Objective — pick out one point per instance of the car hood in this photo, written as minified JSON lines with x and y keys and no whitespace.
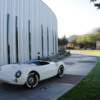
{"x":10,"y":67}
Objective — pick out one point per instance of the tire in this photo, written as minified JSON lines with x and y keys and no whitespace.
{"x":61,"y":71}
{"x":32,"y":80}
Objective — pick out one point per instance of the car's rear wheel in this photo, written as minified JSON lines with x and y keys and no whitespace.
{"x":61,"y":71}
{"x":32,"y":80}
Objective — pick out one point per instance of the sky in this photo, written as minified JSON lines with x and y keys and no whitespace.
{"x":75,"y":17}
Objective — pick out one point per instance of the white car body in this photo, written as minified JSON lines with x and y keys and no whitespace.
{"x":7,"y":72}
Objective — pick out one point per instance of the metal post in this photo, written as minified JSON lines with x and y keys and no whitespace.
{"x":38,"y":55}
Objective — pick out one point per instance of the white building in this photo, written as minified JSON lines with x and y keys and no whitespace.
{"x":26,"y":28}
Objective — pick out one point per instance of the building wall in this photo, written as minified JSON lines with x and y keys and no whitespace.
{"x":26,"y":28}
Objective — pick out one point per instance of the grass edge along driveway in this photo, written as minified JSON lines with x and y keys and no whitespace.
{"x":89,"y":87}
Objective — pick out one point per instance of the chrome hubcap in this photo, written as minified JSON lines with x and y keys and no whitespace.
{"x":31,"y":80}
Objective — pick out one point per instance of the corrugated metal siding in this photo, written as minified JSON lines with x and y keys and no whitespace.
{"x":38,"y":13}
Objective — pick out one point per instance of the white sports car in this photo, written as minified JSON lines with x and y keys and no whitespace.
{"x":30,"y":73}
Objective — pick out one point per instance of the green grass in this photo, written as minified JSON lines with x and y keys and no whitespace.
{"x":89,"y":87}
{"x":92,"y":52}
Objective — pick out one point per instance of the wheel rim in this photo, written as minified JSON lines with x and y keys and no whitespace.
{"x":60,"y":72}
{"x":32,"y":80}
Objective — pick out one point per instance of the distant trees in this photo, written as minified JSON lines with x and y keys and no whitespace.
{"x":86,"y":40}
{"x":82,"y":40}
{"x":63,"y":41}
{"x":62,"y":44}
{"x":59,"y":41}
{"x":97,"y":32}
{"x":74,"y":36}
{"x":90,"y":38}
{"x":96,"y":4}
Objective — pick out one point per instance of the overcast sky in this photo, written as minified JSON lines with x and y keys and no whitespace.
{"x":74,"y":16}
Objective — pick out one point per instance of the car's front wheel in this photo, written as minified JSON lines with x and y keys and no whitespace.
{"x":32,"y":80}
{"x":61,"y":71}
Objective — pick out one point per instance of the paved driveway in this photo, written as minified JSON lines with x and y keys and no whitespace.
{"x":77,"y":67}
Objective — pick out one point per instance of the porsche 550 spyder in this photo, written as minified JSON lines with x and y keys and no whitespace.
{"x":30,"y":72}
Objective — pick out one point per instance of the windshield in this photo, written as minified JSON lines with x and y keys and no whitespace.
{"x":36,"y":62}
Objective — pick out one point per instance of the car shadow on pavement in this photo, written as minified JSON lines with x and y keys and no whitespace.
{"x":7,"y":86}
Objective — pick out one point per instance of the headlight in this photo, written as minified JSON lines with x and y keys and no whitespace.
{"x":18,"y":74}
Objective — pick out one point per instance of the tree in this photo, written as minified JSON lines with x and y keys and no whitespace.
{"x":96,"y":4}
{"x":97,"y":32}
{"x":64,"y":40}
{"x":59,"y":41}
{"x":74,"y":36}
{"x":98,"y":36}
{"x":82,"y":40}
{"x":92,"y":38}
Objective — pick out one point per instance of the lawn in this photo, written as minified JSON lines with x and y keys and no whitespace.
{"x":89,"y":87}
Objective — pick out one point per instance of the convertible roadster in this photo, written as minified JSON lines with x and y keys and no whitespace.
{"x":30,"y":72}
